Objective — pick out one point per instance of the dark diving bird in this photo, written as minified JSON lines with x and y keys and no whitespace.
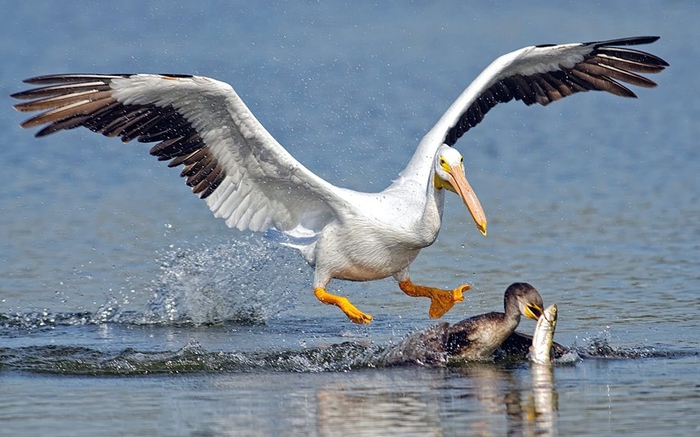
{"x":474,"y":339}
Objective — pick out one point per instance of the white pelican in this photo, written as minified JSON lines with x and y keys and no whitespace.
{"x":248,"y":179}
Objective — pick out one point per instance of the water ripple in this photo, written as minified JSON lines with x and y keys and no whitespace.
{"x":193,"y":358}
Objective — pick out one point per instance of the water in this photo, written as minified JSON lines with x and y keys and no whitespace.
{"x":126,"y":309}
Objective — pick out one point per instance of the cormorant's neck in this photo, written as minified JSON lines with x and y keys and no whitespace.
{"x":512,"y":320}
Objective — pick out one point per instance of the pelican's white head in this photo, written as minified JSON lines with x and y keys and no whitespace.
{"x":449,"y":174}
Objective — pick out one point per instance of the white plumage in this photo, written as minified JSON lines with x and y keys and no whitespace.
{"x":248,"y":179}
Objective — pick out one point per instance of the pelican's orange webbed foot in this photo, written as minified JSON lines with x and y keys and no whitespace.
{"x":344,"y":304}
{"x":440,"y":300}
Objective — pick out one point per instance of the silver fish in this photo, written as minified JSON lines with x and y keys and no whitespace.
{"x":543,"y":337}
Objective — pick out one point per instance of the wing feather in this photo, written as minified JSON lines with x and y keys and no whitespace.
{"x":543,"y":74}
{"x":230,"y":160}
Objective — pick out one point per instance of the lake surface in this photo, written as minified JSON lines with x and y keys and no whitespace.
{"x":127,"y":309}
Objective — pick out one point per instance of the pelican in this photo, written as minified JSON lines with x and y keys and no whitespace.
{"x":248,"y":179}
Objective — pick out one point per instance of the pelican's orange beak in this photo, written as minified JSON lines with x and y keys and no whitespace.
{"x":459,"y":182}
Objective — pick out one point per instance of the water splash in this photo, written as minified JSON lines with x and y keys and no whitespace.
{"x":571,"y":357}
{"x":43,"y":319}
{"x":246,"y":280}
{"x":600,"y":347}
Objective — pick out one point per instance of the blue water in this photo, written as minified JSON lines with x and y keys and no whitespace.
{"x":127,"y":309}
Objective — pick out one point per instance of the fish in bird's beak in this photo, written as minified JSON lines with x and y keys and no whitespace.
{"x":543,"y":337}
{"x":461,"y":186}
{"x":533,"y":311}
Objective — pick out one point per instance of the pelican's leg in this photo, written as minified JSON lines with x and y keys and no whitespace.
{"x":440,"y":300}
{"x":344,"y":304}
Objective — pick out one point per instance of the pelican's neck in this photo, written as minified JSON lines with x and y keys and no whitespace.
{"x":420,"y":167}
{"x":418,"y":178}
{"x":431,"y":219}
{"x":435,"y":197}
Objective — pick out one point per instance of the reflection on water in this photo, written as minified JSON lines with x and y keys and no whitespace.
{"x":484,"y":400}
{"x":360,"y":408}
{"x":402,"y":402}
{"x":528,"y":408}
{"x":544,"y":400}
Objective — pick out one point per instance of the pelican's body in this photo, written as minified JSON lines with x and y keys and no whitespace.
{"x":247,"y":178}
{"x":395,"y":224}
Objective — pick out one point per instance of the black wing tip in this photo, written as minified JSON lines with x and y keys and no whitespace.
{"x":71,"y":77}
{"x":621,"y":42}
{"x":49,"y":80}
{"x":53,"y":79}
{"x":43,"y":132}
{"x":177,"y":75}
{"x":627,"y":41}
{"x":617,"y":44}
{"x":18,"y":95}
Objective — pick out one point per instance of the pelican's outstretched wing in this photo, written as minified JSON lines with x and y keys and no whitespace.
{"x":230,"y":160}
{"x":545,"y":73}
{"x":540,"y":74}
